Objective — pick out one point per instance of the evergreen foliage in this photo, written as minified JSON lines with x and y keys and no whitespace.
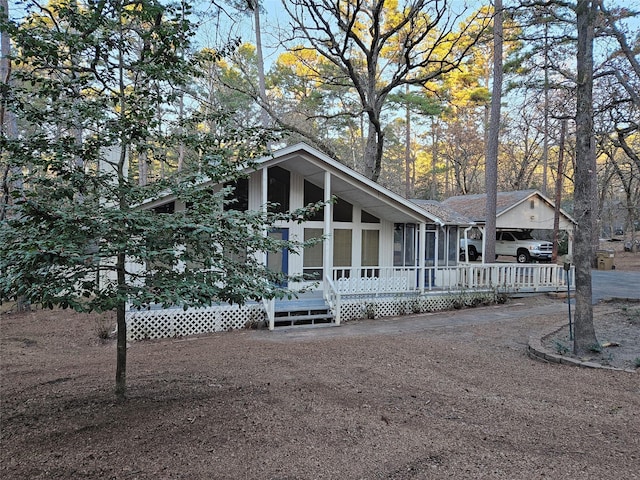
{"x":79,"y":231}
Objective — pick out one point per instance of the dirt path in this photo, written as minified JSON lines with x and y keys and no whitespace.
{"x":459,"y":401}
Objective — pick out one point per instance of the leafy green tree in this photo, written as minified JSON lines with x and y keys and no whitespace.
{"x":78,"y":237}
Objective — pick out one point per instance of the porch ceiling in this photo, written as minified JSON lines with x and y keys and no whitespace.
{"x":355,"y":191}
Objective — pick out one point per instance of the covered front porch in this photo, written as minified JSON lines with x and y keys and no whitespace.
{"x":361,"y":292}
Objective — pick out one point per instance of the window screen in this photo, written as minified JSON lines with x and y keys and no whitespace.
{"x":312,"y":260}
{"x":278,"y":189}
{"x":314,"y":194}
{"x":342,"y":247}
{"x":370,"y":248}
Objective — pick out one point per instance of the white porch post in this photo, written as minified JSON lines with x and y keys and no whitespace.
{"x":265,"y":186}
{"x":327,"y":251}
{"x":421,"y":253}
{"x":436,"y":253}
{"x":484,"y":246}
{"x":269,"y":304}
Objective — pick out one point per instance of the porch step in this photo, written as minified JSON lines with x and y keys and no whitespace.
{"x":313,"y":311}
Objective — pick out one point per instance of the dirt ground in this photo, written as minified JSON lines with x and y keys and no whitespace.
{"x":462,"y":401}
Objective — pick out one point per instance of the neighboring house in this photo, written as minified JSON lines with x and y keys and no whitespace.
{"x":382,"y":255}
{"x":517,"y":210}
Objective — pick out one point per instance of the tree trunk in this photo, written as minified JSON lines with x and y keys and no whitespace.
{"x":545,"y":147}
{"x":143,"y":169}
{"x":491,"y":162}
{"x":434,"y":161}
{"x":121,"y":349}
{"x":407,"y":150}
{"x":262,"y":89}
{"x":373,"y":153}
{"x":585,"y":336}
{"x":558,"y":199}
{"x":11,"y":175}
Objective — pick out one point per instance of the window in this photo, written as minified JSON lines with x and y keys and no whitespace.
{"x":239,"y":198}
{"x":342,"y":247}
{"x":430,"y":249}
{"x":278,"y":190}
{"x":312,"y":256}
{"x":452,"y":246}
{"x":370,"y":248}
{"x":366,"y":217}
{"x":404,"y":244}
{"x":235,"y":253}
{"x":314,"y":194}
{"x":342,"y":211}
{"x":447,"y":246}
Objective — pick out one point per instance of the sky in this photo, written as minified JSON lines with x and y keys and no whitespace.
{"x":215,"y":29}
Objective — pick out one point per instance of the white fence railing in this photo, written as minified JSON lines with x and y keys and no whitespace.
{"x":332,"y":297}
{"x":505,"y":277}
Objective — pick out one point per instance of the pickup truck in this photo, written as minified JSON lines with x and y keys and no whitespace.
{"x":511,"y":243}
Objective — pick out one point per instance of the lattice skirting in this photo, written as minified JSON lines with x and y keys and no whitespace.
{"x":355,"y":308}
{"x":176,"y":322}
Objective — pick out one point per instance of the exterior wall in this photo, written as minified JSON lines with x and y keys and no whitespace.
{"x":296,"y":230}
{"x":536,"y":218}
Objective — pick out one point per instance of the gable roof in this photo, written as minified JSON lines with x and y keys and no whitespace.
{"x":350,"y":185}
{"x":346,"y":183}
{"x":475,"y":206}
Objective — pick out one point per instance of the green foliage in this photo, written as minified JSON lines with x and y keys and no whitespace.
{"x":79,"y":211}
{"x":370,"y":311}
{"x":563,"y":244}
{"x":79,"y":232}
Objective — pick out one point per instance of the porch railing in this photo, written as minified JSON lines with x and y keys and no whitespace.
{"x":269,"y":306}
{"x":332,"y":297}
{"x":505,"y":277}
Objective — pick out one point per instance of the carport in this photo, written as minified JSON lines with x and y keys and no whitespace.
{"x":517,"y":210}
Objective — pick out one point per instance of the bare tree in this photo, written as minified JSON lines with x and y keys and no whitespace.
{"x":355,"y":37}
{"x":491,"y":162}
{"x":585,"y":178}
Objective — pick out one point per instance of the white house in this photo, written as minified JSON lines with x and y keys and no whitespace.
{"x":383,"y":254}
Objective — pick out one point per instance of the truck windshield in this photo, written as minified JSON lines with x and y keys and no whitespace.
{"x":522,"y":235}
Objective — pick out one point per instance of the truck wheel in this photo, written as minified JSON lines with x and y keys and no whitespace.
{"x":473,"y":255}
{"x":523,"y":256}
